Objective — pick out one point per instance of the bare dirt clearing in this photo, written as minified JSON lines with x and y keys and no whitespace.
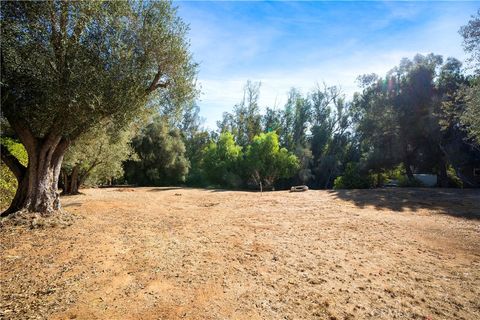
{"x":170,"y":253}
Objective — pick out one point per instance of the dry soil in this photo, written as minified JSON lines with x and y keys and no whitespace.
{"x":175,"y":253}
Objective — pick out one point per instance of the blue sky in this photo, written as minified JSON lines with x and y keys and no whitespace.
{"x":299,"y":44}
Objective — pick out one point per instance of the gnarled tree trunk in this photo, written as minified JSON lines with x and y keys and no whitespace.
{"x":38,"y":182}
{"x":71,"y":182}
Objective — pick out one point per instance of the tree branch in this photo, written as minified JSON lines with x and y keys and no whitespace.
{"x":12,"y":163}
{"x":156,"y":84}
{"x":24,"y":134}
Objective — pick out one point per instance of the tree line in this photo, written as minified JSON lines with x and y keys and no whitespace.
{"x":104,"y":92}
{"x":414,"y":119}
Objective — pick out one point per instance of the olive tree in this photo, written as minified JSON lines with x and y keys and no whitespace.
{"x":160,"y":155}
{"x":67,"y":66}
{"x":96,"y":156}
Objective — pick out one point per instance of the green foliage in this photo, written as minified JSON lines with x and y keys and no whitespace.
{"x":399,"y":174}
{"x":454,"y":180}
{"x":353,"y":178}
{"x":272,"y":121}
{"x":331,"y":142}
{"x":266,"y":162}
{"x":196,"y":140}
{"x":305,"y":159}
{"x":245,"y":121}
{"x":378,"y":180}
{"x":98,"y":155}
{"x":68,"y":65}
{"x":161,"y":156}
{"x":8,"y":182}
{"x":471,"y":39}
{"x":470,"y":117}
{"x":411,"y":117}
{"x":221,"y":161}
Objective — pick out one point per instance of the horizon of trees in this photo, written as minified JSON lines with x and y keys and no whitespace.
{"x":136,"y":120}
{"x":406,"y":122}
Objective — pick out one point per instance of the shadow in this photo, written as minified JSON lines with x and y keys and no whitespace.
{"x":463,"y":203}
{"x":73,"y":204}
{"x":165,"y":189}
{"x":239,"y":190}
{"x":117,"y":186}
{"x":71,"y":195}
{"x":222,"y":190}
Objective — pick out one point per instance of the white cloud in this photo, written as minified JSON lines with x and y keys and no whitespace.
{"x":232,"y":51}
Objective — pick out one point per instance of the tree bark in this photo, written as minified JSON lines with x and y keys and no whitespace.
{"x":462,"y":177}
{"x":408,"y":171}
{"x":77,"y":178}
{"x":442,"y":173}
{"x":38,"y":182}
{"x":71,"y":182}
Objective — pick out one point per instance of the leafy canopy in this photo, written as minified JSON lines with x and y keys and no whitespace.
{"x":161,"y":156}
{"x":221,"y":161}
{"x":266,"y":161}
{"x":67,"y":65}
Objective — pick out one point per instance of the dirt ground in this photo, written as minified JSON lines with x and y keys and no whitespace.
{"x":174,"y":253}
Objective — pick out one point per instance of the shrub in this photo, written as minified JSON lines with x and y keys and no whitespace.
{"x":453,"y":180}
{"x":400,"y":175}
{"x":353,"y":178}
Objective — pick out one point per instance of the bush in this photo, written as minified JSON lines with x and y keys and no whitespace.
{"x":352,"y":178}
{"x":378,"y":179}
{"x":453,"y":180}
{"x":8,"y":182}
{"x":399,"y":174}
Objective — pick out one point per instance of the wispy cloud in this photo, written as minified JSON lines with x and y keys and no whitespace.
{"x":297,"y":44}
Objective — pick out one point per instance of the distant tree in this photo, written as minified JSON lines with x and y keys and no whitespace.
{"x":396,"y":116}
{"x":251,"y":96}
{"x":97,"y":156}
{"x":330,"y":141}
{"x":245,"y":121}
{"x":272,"y":121}
{"x":196,"y":140}
{"x":160,"y":156}
{"x":288,"y":121}
{"x":376,"y":123}
{"x":471,"y":39}
{"x":352,"y":178}
{"x":409,"y":117}
{"x":470,"y":117}
{"x":302,"y":119}
{"x":266,"y":162}
{"x":297,"y":113}
{"x":68,"y":65}
{"x":221,"y":161}
{"x":305,"y":162}
{"x":194,"y":153}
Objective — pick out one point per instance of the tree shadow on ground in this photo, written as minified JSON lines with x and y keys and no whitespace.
{"x":165,"y":189}
{"x":71,"y":194}
{"x":463,"y":203}
{"x":73,"y":204}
